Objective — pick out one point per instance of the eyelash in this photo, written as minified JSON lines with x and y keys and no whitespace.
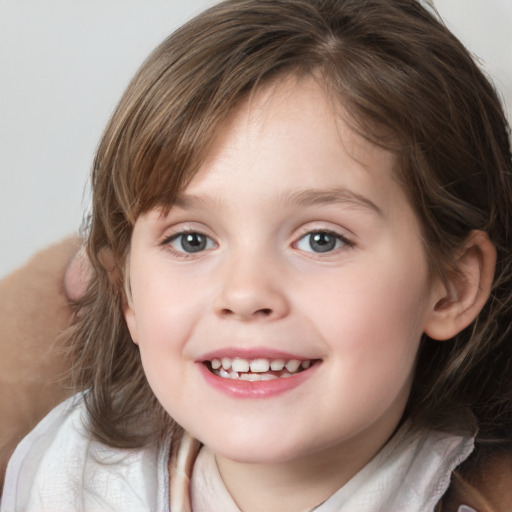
{"x":338,"y":238}
{"x":167,"y":242}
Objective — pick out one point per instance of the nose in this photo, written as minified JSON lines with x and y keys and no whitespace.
{"x":251,"y":291}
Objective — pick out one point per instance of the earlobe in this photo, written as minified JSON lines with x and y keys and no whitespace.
{"x":458,"y":300}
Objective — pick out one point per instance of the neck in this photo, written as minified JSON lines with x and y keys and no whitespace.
{"x":300,"y":484}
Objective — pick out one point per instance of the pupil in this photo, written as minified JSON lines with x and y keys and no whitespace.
{"x":322,"y":242}
{"x":193,"y":242}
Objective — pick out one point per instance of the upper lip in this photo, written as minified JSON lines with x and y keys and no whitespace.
{"x":250,"y":353}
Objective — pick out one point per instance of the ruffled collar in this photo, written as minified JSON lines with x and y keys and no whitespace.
{"x":410,"y":474}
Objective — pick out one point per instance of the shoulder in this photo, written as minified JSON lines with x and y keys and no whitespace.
{"x":59,"y":467}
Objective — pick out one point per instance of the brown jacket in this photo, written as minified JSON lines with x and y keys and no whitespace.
{"x":34,"y":310}
{"x":487,"y":486}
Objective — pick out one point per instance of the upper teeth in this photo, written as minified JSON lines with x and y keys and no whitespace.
{"x":259,"y":365}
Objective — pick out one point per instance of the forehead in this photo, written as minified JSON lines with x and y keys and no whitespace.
{"x":291,"y":134}
{"x":278,"y":109}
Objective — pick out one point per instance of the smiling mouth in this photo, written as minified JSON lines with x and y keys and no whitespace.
{"x":258,"y":369}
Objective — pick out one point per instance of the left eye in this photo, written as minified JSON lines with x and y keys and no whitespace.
{"x":191,"y":242}
{"x":320,"y":241}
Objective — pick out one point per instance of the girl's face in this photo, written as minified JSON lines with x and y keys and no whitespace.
{"x":294,"y":245}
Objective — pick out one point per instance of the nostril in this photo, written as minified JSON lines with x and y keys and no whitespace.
{"x":263,"y":312}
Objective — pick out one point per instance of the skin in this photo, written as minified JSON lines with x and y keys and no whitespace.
{"x":283,"y":167}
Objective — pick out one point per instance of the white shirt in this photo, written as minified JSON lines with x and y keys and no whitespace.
{"x":58,"y":467}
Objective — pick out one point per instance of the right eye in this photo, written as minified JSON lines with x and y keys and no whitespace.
{"x":190,"y":242}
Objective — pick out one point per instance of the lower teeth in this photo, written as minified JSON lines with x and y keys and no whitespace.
{"x":252,"y":377}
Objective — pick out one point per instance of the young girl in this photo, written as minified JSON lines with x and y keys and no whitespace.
{"x":301,"y":277}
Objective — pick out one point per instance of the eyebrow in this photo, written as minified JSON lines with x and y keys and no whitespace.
{"x":189,"y":202}
{"x":335,"y":195}
{"x":296,"y":198}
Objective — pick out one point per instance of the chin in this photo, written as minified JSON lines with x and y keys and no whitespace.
{"x":265,"y":449}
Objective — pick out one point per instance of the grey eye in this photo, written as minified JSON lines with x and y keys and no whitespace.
{"x":320,"y":241}
{"x":191,"y":242}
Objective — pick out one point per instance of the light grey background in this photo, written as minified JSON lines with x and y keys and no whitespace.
{"x":64,"y":65}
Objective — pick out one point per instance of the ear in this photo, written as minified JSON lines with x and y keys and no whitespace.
{"x":128,"y":307}
{"x":130,"y":316}
{"x":77,"y":276}
{"x":131,"y":320}
{"x":458,"y":299}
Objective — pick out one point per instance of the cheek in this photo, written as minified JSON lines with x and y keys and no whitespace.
{"x":165,"y":318}
{"x":370,"y":318}
{"x":166,"y":308}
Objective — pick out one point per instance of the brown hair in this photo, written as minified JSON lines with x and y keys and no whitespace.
{"x":407,"y":84}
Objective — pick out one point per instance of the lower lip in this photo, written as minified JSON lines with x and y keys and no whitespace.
{"x":258,"y":389}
